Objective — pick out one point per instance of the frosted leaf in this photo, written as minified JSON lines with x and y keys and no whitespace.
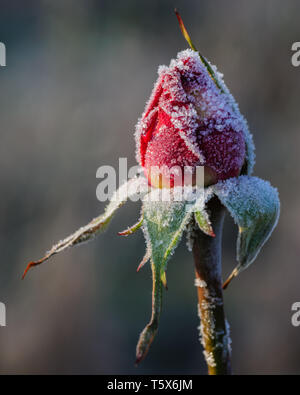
{"x":166,"y":219}
{"x":254,"y":205}
{"x":98,"y":224}
{"x":163,"y":225}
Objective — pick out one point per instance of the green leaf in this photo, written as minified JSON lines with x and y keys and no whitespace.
{"x":164,"y":223}
{"x":129,"y":189}
{"x":254,"y":205}
{"x":166,"y":215}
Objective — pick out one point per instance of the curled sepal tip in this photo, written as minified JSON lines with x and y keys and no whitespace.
{"x":148,"y":334}
{"x":203,"y":222}
{"x":132,"y":229}
{"x":254,"y":205}
{"x":145,"y":259}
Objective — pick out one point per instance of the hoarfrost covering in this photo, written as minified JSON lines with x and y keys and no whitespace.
{"x":254,"y":205}
{"x":204,"y":118}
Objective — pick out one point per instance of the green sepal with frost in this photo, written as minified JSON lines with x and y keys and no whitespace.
{"x":135,"y":186}
{"x":254,"y":205}
{"x":166,"y":214}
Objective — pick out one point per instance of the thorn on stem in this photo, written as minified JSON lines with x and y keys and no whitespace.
{"x":30,"y":265}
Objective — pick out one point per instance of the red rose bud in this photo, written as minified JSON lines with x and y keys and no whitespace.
{"x":190,"y":121}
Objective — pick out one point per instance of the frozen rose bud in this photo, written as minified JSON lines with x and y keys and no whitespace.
{"x":190,"y":121}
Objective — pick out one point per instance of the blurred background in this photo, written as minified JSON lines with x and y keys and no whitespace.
{"x":77,"y":78}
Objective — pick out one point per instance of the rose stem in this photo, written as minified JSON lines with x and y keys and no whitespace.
{"x":214,"y":328}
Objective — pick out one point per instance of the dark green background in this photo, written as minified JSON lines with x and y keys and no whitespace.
{"x":77,"y":77}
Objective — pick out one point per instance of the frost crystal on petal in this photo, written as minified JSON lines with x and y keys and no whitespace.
{"x":191,"y":121}
{"x":250,"y":148}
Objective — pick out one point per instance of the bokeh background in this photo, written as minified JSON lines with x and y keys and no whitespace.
{"x":78,"y":74}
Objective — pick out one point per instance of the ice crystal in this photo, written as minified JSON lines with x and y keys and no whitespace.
{"x":200,"y":283}
{"x":190,"y":121}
